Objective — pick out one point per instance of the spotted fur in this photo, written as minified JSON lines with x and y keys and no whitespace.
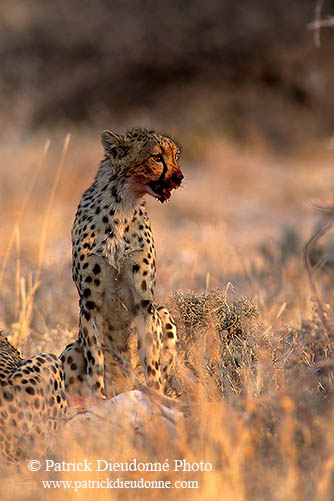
{"x":32,"y":401}
{"x":114,"y":266}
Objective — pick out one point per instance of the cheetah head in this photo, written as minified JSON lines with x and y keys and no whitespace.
{"x":147,"y":160}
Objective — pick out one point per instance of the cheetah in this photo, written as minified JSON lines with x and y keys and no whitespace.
{"x":114,"y":268}
{"x":33,"y":402}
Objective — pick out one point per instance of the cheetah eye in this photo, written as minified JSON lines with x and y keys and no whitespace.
{"x":157,"y":158}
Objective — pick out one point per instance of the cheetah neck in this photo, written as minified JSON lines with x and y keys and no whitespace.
{"x":113,"y":186}
{"x":112,"y":210}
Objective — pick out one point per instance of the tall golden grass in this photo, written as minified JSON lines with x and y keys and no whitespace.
{"x":258,"y":406}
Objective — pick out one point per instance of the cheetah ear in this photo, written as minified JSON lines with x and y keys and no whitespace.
{"x":114,"y":144}
{"x":110,"y":142}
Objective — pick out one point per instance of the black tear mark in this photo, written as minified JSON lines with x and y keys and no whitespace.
{"x":164,"y":170}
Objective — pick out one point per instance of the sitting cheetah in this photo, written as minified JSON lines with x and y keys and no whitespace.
{"x":114,"y":265}
{"x":32,"y":401}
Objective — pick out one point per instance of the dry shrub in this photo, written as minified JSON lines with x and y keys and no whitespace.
{"x":214,"y":341}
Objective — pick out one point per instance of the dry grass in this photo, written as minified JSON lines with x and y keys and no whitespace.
{"x":254,"y":377}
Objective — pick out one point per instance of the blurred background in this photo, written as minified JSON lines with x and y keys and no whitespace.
{"x":244,"y":87}
{"x":245,"y":70}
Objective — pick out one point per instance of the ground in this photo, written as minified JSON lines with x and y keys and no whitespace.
{"x":257,"y":401}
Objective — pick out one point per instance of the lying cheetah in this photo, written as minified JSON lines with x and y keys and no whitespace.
{"x":114,"y":265}
{"x":32,"y":401}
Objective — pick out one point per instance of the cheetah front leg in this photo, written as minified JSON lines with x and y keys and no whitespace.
{"x":149,"y":331}
{"x":74,"y":369}
{"x":91,"y":340}
{"x":169,"y":339}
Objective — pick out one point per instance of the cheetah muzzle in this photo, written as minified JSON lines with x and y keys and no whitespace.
{"x":162,"y":189}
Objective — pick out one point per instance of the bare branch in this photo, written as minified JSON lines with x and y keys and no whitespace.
{"x":319,"y":23}
{"x":322,"y":23}
{"x":307,"y":248}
